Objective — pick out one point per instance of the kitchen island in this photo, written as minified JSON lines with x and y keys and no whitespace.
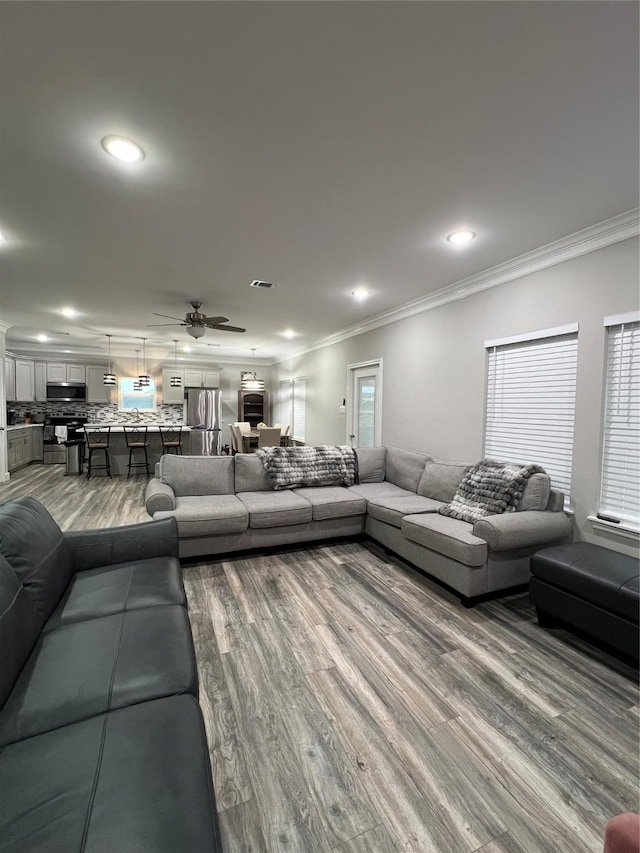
{"x":195,"y":442}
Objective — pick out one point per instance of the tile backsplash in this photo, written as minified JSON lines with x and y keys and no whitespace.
{"x":166,"y":413}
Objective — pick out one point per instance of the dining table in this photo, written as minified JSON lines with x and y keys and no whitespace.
{"x":250,"y":441}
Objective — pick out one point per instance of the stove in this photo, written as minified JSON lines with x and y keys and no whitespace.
{"x":53,"y":449}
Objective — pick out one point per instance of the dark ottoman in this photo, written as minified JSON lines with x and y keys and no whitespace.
{"x":591,"y":588}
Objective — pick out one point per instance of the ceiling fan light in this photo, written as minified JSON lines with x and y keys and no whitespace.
{"x":109,"y":379}
{"x":195,"y":331}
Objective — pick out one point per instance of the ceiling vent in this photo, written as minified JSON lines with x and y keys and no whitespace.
{"x":257,"y":283}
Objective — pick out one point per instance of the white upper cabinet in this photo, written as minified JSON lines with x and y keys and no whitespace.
{"x":201,"y":378}
{"x":25,"y":382}
{"x":66,"y":373}
{"x":10,"y":378}
{"x":41,"y":381}
{"x":169,"y":394}
{"x":97,"y":391}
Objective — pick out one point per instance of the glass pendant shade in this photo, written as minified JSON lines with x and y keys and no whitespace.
{"x":109,"y":378}
{"x":176,"y":379}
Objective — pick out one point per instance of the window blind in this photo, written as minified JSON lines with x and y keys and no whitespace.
{"x":284,"y":403}
{"x":531,"y":391}
{"x":620,"y":482}
{"x":299,"y":408}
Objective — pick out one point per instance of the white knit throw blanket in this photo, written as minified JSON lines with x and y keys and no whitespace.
{"x":490,"y":488}
{"x":293,"y":467}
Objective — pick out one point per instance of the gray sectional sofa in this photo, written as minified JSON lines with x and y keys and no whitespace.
{"x":224,"y":504}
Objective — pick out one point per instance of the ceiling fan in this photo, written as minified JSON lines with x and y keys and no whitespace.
{"x":197,"y":323}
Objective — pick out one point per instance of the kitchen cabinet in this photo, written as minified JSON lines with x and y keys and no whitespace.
{"x":37,"y":453}
{"x":201,"y":378}
{"x":19,"y":448}
{"x":169,"y":394}
{"x":97,"y":391}
{"x":25,"y":385}
{"x":40,"y":374}
{"x":10,"y":378}
{"x":58,"y":372}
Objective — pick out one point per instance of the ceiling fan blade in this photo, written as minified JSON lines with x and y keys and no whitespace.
{"x":165,"y":324}
{"x":169,"y":316}
{"x":222,"y":328}
{"x":214,"y":320}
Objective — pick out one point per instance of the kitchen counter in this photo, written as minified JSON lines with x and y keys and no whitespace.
{"x":23,"y":426}
{"x":150,"y":427}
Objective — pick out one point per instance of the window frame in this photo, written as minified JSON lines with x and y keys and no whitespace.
{"x":149,"y":393}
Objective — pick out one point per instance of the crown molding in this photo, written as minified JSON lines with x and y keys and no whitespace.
{"x":607,"y":233}
{"x":4,"y":327}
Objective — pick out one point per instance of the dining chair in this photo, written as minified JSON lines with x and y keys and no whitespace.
{"x":244,"y":427}
{"x":236,"y":439}
{"x":97,"y":438}
{"x":268,"y":437}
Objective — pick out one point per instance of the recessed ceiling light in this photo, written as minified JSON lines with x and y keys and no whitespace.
{"x":68,"y":312}
{"x":42,"y":338}
{"x":288,"y":333}
{"x":461,"y":237}
{"x":123,"y":149}
{"x":2,"y":237}
{"x":360,"y":294}
{"x":186,"y":348}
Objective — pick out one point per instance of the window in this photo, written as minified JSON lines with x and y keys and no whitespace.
{"x":143,"y":399}
{"x":299,"y":410}
{"x":292,"y":407}
{"x":531,"y":391}
{"x":620,"y":483}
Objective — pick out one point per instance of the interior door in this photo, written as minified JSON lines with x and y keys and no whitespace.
{"x":364,"y":421}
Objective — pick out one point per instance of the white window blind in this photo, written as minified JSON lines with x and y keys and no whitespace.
{"x":620,"y":483}
{"x":284,"y":403}
{"x":531,"y":391}
{"x":299,"y":409}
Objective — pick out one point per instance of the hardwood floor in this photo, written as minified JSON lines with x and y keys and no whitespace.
{"x":353,"y":707}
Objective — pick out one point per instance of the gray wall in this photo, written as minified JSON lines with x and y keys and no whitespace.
{"x":435,"y":363}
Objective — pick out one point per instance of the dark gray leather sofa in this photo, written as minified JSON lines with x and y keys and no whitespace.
{"x":102,"y":744}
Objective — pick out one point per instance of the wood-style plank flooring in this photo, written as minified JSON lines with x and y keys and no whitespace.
{"x":352,"y":706}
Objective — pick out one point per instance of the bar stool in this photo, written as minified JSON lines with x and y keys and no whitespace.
{"x":136,"y":438}
{"x":171,"y":438}
{"x":97,"y":438}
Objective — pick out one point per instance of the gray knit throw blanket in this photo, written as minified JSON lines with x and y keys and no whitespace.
{"x":293,"y":467}
{"x":490,"y":488}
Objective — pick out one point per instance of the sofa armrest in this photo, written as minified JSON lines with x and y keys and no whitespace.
{"x":515,"y":530}
{"x":159,"y":497}
{"x":109,"y":545}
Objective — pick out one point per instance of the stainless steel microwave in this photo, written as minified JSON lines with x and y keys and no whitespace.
{"x":66,"y":392}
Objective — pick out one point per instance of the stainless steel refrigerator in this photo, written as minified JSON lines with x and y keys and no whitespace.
{"x":204,"y":412}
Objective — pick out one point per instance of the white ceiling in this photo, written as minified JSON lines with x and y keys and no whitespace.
{"x":320,"y":146}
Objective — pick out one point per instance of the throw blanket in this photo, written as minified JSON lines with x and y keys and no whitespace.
{"x":292,"y":467}
{"x":489,"y":488}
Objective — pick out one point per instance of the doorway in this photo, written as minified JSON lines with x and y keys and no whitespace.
{"x":364,"y":404}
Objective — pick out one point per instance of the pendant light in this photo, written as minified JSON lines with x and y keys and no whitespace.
{"x":143,"y":378}
{"x":109,"y":378}
{"x":176,"y":379}
{"x":249,"y":378}
{"x":136,"y":382}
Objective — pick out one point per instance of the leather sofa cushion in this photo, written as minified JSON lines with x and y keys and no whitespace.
{"x":404,"y":468}
{"x":19,"y":627}
{"x":91,"y":667}
{"x":197,"y":475}
{"x":275,"y":509}
{"x":332,"y":502}
{"x":393,"y":510}
{"x":440,"y":480}
{"x":250,"y":473}
{"x":135,"y":779}
{"x":35,"y":548}
{"x":371,"y":461}
{"x":379,"y":491}
{"x":125,"y":586}
{"x":447,"y":536}
{"x":596,"y":574}
{"x":212,"y":515}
